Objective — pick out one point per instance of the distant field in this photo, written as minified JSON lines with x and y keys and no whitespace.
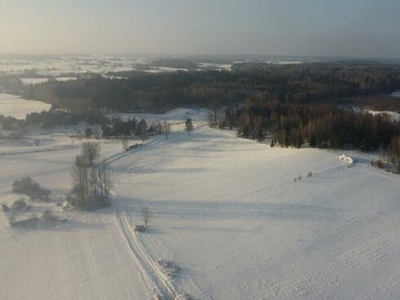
{"x":17,"y":107}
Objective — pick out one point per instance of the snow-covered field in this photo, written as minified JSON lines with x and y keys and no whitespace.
{"x":232,"y":219}
{"x":56,"y":66}
{"x":17,"y":107}
{"x":59,"y":66}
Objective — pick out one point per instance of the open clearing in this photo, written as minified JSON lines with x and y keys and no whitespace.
{"x":18,"y":108}
{"x":230,"y":222}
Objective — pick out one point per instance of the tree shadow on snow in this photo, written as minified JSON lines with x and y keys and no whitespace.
{"x":212,"y":210}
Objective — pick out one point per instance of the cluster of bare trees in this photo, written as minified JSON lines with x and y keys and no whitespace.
{"x":91,"y":179}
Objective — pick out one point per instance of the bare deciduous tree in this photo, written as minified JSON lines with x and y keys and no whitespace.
{"x":147,"y":215}
{"x":167,"y":129}
{"x":97,"y":132}
{"x":91,"y":179}
{"x":142,"y":130}
{"x":79,"y":135}
{"x":91,"y":153}
{"x":124,"y":143}
{"x":214,"y":107}
{"x":189,"y":126}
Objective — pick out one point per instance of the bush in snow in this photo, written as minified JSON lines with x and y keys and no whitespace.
{"x":12,"y":219}
{"x":139,"y":228}
{"x":298,"y":178}
{"x":4,"y":207}
{"x":49,"y":217}
{"x":31,"y":222}
{"x":168,"y":268}
{"x":16,"y":136}
{"x":27,"y":186}
{"x":19,"y":204}
{"x":184,"y":296}
{"x":378,"y":164}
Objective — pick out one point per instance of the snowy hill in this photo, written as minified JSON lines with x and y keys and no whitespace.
{"x":232,"y":219}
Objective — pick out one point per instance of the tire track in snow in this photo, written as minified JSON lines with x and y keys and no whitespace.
{"x":173,"y":292}
{"x":148,"y":271}
{"x":157,"y":282}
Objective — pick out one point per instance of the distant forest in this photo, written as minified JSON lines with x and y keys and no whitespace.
{"x":303,"y":83}
{"x":294,"y":104}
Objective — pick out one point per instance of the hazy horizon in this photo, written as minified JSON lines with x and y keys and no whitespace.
{"x":358,"y":28}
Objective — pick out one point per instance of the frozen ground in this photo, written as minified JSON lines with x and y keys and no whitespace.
{"x":17,"y":107}
{"x":230,"y":222}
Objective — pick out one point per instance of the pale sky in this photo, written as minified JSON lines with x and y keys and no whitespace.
{"x":359,"y":28}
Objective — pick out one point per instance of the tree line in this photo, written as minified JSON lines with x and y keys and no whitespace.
{"x":317,"y":125}
{"x":295,"y":104}
{"x":305,"y":83}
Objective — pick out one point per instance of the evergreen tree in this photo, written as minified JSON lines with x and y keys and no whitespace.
{"x":272,"y":143}
{"x":142,"y":129}
{"x":88,"y":133}
{"x":167,"y":129}
{"x":189,"y":126}
{"x":313,"y":141}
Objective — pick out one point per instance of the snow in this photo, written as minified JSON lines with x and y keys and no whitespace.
{"x":229,"y":222}
{"x":165,"y":69}
{"x":284,"y":62}
{"x":28,"y":81}
{"x":346,"y":158}
{"x":65,"y":78}
{"x":17,"y":107}
{"x":226,"y":67}
{"x":58,"y":66}
{"x":395,"y":116}
{"x":101,"y":64}
{"x":396,"y":94}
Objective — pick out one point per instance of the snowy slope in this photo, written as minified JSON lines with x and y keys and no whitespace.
{"x":227,"y":211}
